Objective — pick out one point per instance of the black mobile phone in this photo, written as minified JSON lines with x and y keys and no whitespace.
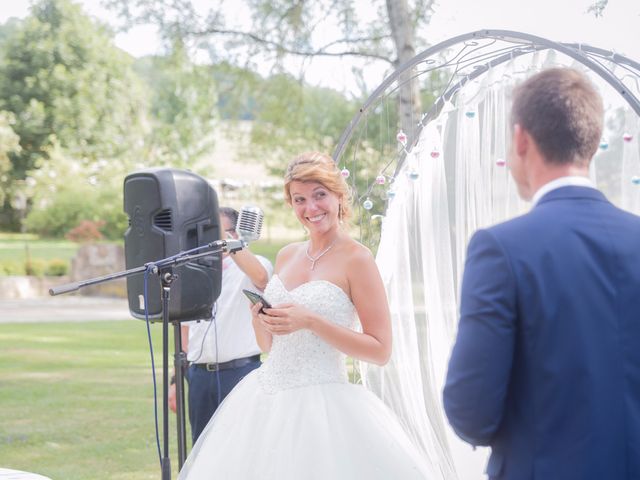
{"x":255,"y":298}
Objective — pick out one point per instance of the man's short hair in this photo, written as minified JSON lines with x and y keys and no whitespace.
{"x":231,"y":213}
{"x":563,"y":112}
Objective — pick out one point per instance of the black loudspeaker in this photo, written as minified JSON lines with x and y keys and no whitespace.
{"x":171,"y":211}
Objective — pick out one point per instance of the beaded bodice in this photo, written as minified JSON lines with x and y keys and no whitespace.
{"x":302,"y":358}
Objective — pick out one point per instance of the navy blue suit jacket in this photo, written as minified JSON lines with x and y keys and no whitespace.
{"x":546,"y":364}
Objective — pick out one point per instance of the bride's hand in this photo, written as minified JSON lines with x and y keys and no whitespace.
{"x":286,"y":318}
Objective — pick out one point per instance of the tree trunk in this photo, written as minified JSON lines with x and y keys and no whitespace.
{"x":402,"y":31}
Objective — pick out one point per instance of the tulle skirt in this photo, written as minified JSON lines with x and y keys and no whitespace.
{"x":326,"y":431}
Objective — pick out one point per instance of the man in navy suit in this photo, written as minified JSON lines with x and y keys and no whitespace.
{"x":546,"y":365}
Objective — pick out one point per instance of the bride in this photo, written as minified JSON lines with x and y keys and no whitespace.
{"x":297,"y":416}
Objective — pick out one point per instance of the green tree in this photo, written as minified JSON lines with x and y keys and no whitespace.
{"x":277,"y":31}
{"x":64,"y":81}
{"x":9,"y":143}
{"x":64,"y":194}
{"x":183,"y":108}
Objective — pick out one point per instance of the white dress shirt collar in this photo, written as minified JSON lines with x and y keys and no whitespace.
{"x":575,"y":181}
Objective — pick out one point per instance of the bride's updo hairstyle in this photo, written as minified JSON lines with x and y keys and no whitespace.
{"x":321,"y":168}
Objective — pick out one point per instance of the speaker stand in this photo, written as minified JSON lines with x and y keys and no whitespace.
{"x":167,"y":277}
{"x":179,"y":365}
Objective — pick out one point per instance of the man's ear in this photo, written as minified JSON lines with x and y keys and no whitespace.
{"x":521,"y":141}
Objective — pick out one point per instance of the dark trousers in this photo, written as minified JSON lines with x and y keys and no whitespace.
{"x":203,"y":392}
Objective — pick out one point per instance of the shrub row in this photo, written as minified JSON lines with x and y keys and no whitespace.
{"x":37,"y":267}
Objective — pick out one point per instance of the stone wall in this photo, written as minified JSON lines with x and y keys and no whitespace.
{"x":91,"y":261}
{"x":28,"y":287}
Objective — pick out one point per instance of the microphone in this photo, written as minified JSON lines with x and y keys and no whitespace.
{"x":249,"y":223}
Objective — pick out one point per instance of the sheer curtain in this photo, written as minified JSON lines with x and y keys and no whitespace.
{"x":463,"y":184}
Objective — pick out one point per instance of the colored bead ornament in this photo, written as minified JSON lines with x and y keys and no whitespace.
{"x":413,"y":175}
{"x":380,"y":179}
{"x":635,"y":180}
{"x":391,"y":194}
{"x":435,"y":154}
{"x":501,"y":162}
{"x":345,"y":173}
{"x":627,"y":137}
{"x":367,"y":204}
{"x":470,"y":114}
{"x":402,"y":137}
{"x":603,"y":145}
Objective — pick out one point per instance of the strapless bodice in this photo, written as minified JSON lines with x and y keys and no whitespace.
{"x":302,"y":358}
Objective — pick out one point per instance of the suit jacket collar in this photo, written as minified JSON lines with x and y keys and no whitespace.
{"x":572,"y":192}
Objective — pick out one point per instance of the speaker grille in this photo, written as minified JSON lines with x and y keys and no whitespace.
{"x":162,"y":220}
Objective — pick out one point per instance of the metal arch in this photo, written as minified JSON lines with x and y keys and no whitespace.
{"x":575,"y":51}
{"x":440,"y":102}
{"x":437,"y":106}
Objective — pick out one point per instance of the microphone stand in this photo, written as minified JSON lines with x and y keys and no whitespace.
{"x":163,"y":269}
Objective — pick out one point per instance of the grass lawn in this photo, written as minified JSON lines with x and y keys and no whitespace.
{"x":14,"y":247}
{"x":77,"y":400}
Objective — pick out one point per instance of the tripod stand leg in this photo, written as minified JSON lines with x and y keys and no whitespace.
{"x":180,"y":362}
{"x":165,"y":462}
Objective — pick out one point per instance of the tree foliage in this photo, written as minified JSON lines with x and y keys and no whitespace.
{"x":329,"y":28}
{"x":183,"y":108}
{"x":63,"y":79}
{"x":64,"y":196}
{"x":273,"y":32}
{"x":65,"y":84}
{"x":9,"y":143}
{"x":86,"y":114}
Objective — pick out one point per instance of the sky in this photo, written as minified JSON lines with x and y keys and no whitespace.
{"x":558,"y":20}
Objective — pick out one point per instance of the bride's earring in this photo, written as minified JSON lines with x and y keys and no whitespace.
{"x":304,"y":229}
{"x":340,"y":213}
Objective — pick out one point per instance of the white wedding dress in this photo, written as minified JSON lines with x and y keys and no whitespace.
{"x":298,"y":418}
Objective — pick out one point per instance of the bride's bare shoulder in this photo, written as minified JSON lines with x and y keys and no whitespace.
{"x":357,"y":252}
{"x":287,"y":252}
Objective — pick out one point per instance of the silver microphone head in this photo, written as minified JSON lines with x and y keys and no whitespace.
{"x":249,"y":223}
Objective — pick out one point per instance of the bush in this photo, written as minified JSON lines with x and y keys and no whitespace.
{"x":35,"y":267}
{"x":11,"y":267}
{"x":86,"y":231}
{"x":56,"y":267}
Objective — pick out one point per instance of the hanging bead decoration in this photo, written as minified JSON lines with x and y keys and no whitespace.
{"x":627,"y":137}
{"x":635,"y":180}
{"x":367,"y":204}
{"x":380,"y":180}
{"x":435,"y":153}
{"x":603,"y":145}
{"x":345,"y":173}
{"x":391,"y":194}
{"x":402,"y":138}
{"x":470,"y":114}
{"x":412,"y":174}
{"x":501,"y":162}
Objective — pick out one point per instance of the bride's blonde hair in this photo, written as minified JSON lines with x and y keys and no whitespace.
{"x":319,"y":167}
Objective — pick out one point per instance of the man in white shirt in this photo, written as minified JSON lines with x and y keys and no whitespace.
{"x":222,"y":350}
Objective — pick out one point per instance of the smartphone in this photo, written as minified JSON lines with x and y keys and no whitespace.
{"x":255,"y":298}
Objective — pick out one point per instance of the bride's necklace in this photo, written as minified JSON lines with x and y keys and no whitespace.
{"x":314,"y":260}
